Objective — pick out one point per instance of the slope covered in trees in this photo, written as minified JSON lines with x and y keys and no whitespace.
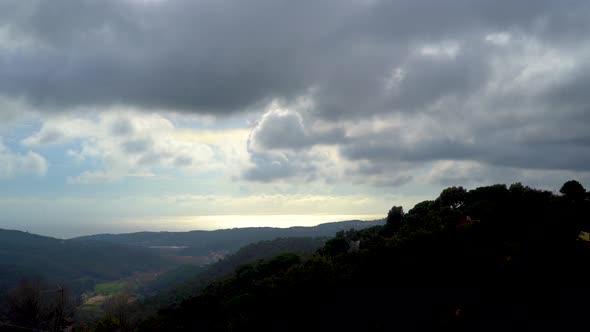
{"x":78,"y":264}
{"x":181,"y":283}
{"x":492,"y":258}
{"x":185,"y":281}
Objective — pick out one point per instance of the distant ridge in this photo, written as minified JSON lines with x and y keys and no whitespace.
{"x":202,"y":242}
{"x":82,"y":261}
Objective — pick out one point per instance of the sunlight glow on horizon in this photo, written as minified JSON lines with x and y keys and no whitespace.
{"x":192,"y":223}
{"x":213,"y":222}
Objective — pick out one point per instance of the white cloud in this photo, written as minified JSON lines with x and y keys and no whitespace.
{"x":500,"y":38}
{"x":128,"y":143}
{"x":13,"y":164}
{"x":443,"y":50}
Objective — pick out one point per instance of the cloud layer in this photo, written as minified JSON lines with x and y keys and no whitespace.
{"x":126,"y":143}
{"x":362,"y":91}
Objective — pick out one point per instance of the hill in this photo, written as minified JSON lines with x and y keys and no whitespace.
{"x":202,"y":243}
{"x":185,"y":281}
{"x":493,"y":258}
{"x":83,"y":261}
{"x":78,"y":264}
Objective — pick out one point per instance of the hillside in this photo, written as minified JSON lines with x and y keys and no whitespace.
{"x":78,"y":264}
{"x":493,"y":258}
{"x":83,"y":261}
{"x":200,"y":243}
{"x":186,"y":281}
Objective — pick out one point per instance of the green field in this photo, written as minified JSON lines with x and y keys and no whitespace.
{"x":112,"y":288}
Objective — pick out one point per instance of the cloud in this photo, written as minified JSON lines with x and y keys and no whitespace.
{"x":475,"y":174}
{"x":14,"y":164}
{"x":127,"y":143}
{"x":510,"y":115}
{"x":269,"y":167}
{"x":220,"y":57}
{"x":280,"y":128}
{"x":362,"y":91}
{"x":94,"y":177}
{"x":138,"y":146}
{"x":284,"y":128}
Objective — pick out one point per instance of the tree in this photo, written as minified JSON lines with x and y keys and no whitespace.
{"x":395,"y":217}
{"x":336,"y":246}
{"x":35,"y":305}
{"x":25,"y":306}
{"x":107,"y":324}
{"x":573,"y":190}
{"x":452,"y":197}
{"x":119,"y":310}
{"x":518,"y":189}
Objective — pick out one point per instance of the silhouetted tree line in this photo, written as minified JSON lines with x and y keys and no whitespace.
{"x":35,"y":305}
{"x":488,"y":259}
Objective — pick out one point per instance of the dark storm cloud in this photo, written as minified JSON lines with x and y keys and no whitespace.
{"x":551,"y":156}
{"x":388,"y":151}
{"x":203,"y":56}
{"x":465,"y":68}
{"x":280,"y":129}
{"x":222,"y":56}
{"x":270,"y":167}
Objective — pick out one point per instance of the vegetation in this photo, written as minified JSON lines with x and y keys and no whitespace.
{"x":177,"y":285}
{"x":112,"y":288}
{"x":83,"y":262}
{"x":119,"y":311}
{"x":492,"y":258}
{"x":35,"y":305}
{"x":201,"y":243}
{"x":106,"y":271}
{"x":75,"y":264}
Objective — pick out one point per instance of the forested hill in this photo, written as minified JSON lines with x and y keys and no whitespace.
{"x":202,"y":242}
{"x":495,"y":258}
{"x":25,"y":255}
{"x":185,"y":281}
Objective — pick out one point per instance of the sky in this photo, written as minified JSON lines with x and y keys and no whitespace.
{"x":120,"y":115}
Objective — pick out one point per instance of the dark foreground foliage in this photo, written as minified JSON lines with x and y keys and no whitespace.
{"x":35,"y":305}
{"x":489,"y":259}
{"x":123,"y":312}
{"x":179,"y":284}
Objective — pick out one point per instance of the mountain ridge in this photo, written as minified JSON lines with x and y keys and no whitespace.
{"x":201,"y":242}
{"x":25,"y":255}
